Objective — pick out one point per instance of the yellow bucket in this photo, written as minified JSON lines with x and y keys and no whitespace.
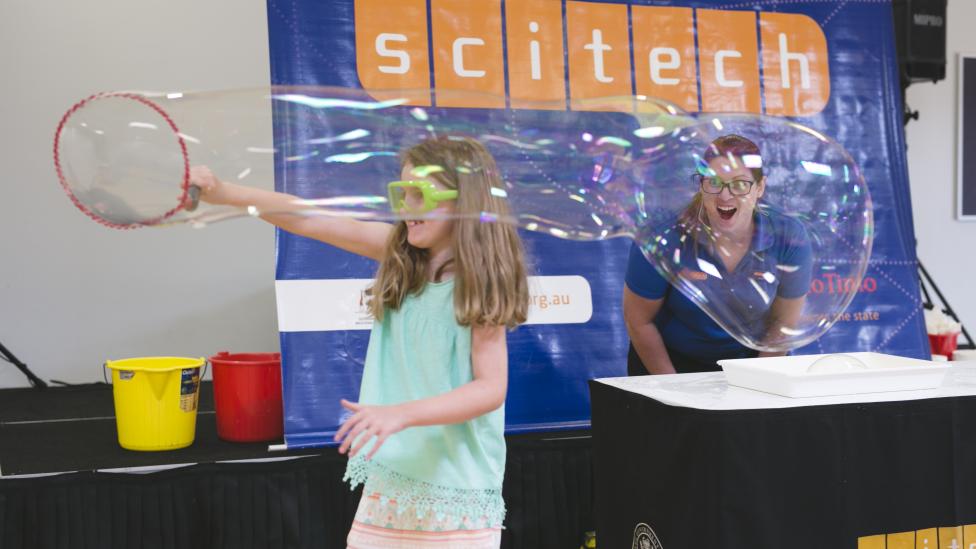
{"x":156,"y":401}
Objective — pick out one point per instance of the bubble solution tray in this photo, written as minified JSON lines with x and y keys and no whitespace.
{"x":789,"y":376}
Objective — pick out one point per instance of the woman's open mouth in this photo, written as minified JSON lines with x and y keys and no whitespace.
{"x":726,"y":213}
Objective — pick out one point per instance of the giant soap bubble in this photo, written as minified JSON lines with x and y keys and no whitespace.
{"x":772,"y":240}
{"x":124,"y":157}
{"x":765,"y":224}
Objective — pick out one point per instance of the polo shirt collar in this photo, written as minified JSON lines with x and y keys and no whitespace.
{"x":763,"y":237}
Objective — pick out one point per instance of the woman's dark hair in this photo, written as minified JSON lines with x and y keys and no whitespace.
{"x":736,"y":146}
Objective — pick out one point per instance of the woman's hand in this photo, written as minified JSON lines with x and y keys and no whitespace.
{"x":368,"y":421}
{"x":639,"y":315}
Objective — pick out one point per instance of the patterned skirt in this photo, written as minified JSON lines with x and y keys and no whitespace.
{"x":385,"y":525}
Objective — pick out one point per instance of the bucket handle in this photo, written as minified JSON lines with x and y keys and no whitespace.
{"x":206,"y":364}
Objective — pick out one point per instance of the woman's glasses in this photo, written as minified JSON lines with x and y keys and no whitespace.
{"x":714,"y":185}
{"x":417,"y":197}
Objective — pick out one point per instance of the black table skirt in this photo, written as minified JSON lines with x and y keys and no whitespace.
{"x":293,"y":503}
{"x":811,"y":477}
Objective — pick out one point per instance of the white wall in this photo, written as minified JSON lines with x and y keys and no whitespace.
{"x":74,"y":293}
{"x":946,"y":247}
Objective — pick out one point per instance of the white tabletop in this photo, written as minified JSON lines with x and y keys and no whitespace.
{"x":710,"y":391}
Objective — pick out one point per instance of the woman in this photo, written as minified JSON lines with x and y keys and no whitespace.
{"x":757,"y":261}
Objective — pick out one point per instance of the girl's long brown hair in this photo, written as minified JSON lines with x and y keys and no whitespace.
{"x":490,"y":280}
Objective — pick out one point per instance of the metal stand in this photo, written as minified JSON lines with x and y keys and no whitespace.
{"x":37,"y":382}
{"x":924,"y":279}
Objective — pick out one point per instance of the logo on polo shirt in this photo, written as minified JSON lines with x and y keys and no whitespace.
{"x":487,"y":49}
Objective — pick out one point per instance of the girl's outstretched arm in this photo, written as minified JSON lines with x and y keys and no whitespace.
{"x":365,"y":238}
{"x":486,"y":392}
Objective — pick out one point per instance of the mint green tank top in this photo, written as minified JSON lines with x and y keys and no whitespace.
{"x":416,"y":352}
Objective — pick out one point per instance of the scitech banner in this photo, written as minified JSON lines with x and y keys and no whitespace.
{"x":828,"y":65}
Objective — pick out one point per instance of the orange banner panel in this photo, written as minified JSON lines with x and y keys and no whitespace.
{"x":391,"y":49}
{"x":901,"y":540}
{"x":927,"y":538}
{"x":468,"y":64}
{"x":796,"y":76}
{"x":664,"y":54}
{"x":536,"y":69}
{"x":871,"y":542}
{"x":599,"y":53}
{"x":728,"y":54}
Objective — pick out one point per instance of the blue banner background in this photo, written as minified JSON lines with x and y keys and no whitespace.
{"x":313,"y":43}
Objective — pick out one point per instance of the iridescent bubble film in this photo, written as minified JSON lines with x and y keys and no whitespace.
{"x":772,"y":243}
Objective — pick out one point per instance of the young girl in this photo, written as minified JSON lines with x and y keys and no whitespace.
{"x":427,"y":435}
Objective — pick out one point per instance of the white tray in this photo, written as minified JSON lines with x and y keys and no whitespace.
{"x":788,"y":376}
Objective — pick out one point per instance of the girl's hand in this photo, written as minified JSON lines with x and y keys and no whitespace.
{"x":368,"y":421}
{"x":210,"y":187}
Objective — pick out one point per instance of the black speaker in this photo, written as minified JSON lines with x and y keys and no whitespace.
{"x":920,"y":36}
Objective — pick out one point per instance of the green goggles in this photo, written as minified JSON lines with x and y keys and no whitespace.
{"x":417,"y":196}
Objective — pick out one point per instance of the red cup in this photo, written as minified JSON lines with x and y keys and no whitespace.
{"x":247,"y":396}
{"x":943,"y":344}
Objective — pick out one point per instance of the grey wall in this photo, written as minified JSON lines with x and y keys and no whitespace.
{"x":74,"y":293}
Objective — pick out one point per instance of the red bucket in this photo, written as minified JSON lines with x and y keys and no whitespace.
{"x":247,"y":396}
{"x":943,"y":344}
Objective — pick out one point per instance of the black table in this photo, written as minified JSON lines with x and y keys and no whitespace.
{"x":66,"y":482}
{"x":687,"y":461}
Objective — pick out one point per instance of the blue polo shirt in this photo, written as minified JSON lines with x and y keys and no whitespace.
{"x":778,"y":264}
